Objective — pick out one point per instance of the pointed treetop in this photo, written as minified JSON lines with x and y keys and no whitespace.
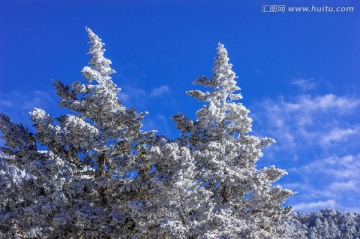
{"x":223,"y":81}
{"x":224,"y":76}
{"x":222,"y":112}
{"x":99,"y":69}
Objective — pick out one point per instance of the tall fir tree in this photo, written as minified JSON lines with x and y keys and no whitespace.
{"x":247,"y":205}
{"x":77,"y":187}
{"x":102,"y":128}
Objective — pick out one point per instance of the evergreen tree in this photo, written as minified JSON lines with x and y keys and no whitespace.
{"x":247,"y":206}
{"x":78,"y":186}
{"x":102,"y":129}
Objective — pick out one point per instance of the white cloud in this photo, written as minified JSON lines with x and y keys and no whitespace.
{"x":341,"y":186}
{"x":305,"y":84}
{"x":139,"y":98}
{"x":308,"y":121}
{"x":337,"y":167}
{"x":338,"y":134}
{"x":123,"y":97}
{"x":161,"y":123}
{"x":157,"y":92}
{"x":318,"y":133}
{"x":314,"y":206}
{"x":133,"y":97}
{"x":328,"y":102}
{"x":334,"y":179}
{"x":7,"y":103}
{"x":16,"y":100}
{"x":17,"y":104}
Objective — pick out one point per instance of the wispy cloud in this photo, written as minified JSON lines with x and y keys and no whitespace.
{"x":317,"y":143}
{"x":135,"y":97}
{"x":308,"y":120}
{"x":157,"y":92}
{"x":25,"y":101}
{"x":158,"y":122}
{"x":157,"y":101}
{"x":314,"y":205}
{"x":305,"y":84}
{"x":18,"y":104}
{"x":132,"y":97}
{"x":341,"y":186}
{"x":332,"y":179}
{"x":339,"y":135}
{"x":329,"y":102}
{"x":346,"y":167}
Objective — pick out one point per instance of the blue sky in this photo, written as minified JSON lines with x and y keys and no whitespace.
{"x":299,"y":74}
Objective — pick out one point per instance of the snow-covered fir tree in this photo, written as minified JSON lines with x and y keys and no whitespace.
{"x":101,"y":119}
{"x":77,"y":188}
{"x":246,"y":203}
